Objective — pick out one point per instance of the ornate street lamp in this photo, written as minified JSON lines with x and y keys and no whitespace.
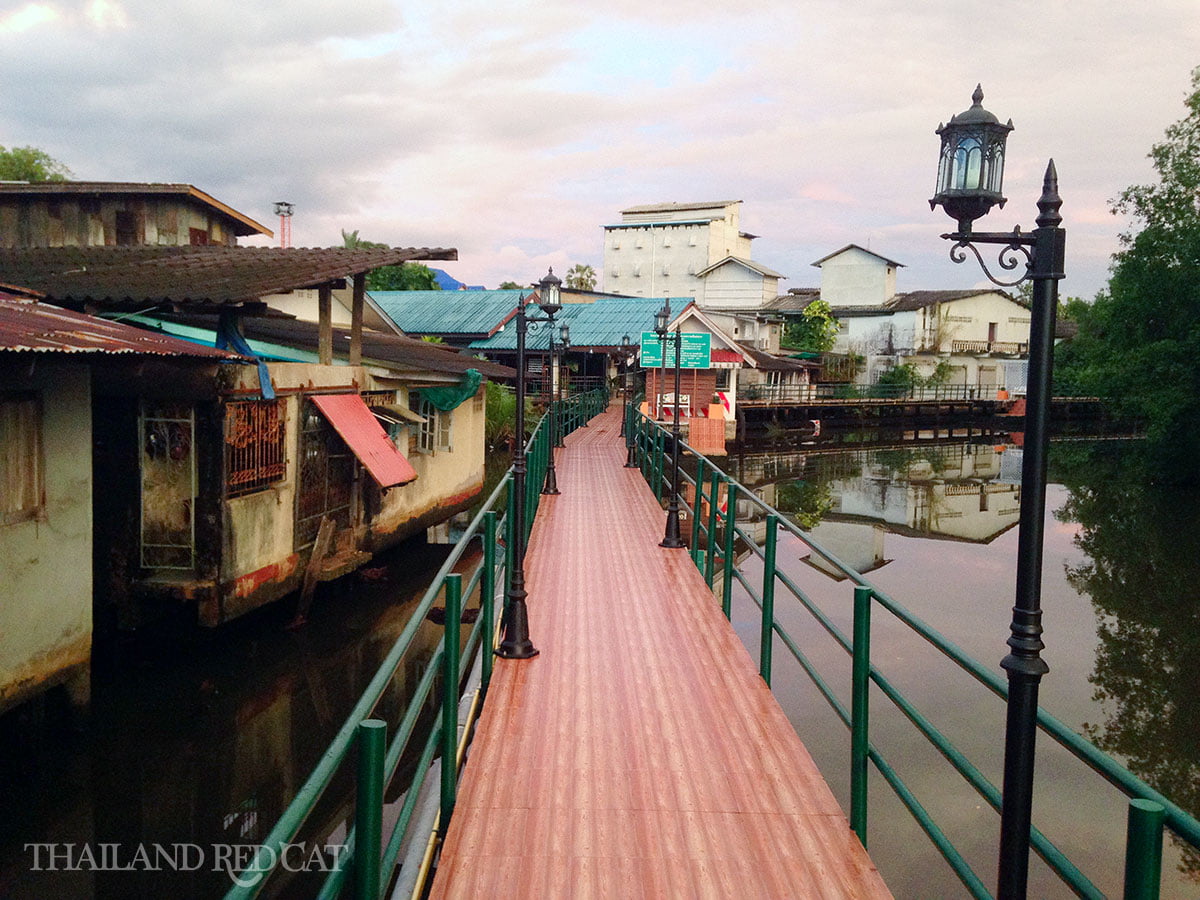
{"x":516,"y":643}
{"x":671,"y":536}
{"x":970,"y":175}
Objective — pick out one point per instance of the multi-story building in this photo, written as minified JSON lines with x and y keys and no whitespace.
{"x":663,"y":249}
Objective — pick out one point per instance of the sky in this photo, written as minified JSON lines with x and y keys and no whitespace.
{"x":514,"y":130}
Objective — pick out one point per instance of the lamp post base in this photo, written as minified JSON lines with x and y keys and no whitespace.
{"x":631,"y":456}
{"x":516,"y":643}
{"x":672,"y":539}
{"x":551,"y":485}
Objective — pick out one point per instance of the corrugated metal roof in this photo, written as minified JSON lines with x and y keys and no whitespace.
{"x":671,"y":207}
{"x":601,"y":323}
{"x":391,"y":350}
{"x":448,"y":313}
{"x":363,"y":434}
{"x":137,"y":277}
{"x":29,"y":326}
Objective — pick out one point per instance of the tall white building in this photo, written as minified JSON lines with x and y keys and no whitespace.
{"x":662,"y":249}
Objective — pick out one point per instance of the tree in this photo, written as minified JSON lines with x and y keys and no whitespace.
{"x":509,"y":286}
{"x":30,"y":164}
{"x":404,"y":277}
{"x":816,"y":329}
{"x":581,"y":277}
{"x":1139,"y":343}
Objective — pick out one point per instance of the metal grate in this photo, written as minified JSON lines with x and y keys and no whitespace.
{"x":254,"y":445}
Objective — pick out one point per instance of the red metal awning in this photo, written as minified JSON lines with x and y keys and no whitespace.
{"x":725,"y":356}
{"x":364,"y":435}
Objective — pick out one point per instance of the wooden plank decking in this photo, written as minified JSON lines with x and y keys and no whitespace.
{"x":640,"y":754}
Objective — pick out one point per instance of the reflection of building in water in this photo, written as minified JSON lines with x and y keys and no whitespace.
{"x":955,"y":491}
{"x":949,"y":492}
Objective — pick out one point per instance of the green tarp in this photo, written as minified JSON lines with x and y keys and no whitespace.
{"x":449,"y":397}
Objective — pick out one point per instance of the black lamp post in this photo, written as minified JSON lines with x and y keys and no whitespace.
{"x":625,"y":357}
{"x":671,"y":537}
{"x":630,"y":439}
{"x":516,"y":643}
{"x":564,"y":342}
{"x":970,"y":179}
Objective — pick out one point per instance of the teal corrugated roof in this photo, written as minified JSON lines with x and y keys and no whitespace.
{"x":598,"y":324}
{"x":447,"y":312}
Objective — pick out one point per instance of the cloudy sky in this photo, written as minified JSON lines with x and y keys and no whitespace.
{"x":513,"y":130}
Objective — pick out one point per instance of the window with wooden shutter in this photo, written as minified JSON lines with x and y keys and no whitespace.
{"x":22,"y":485}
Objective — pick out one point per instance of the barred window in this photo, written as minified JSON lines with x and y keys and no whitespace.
{"x":255,"y":457}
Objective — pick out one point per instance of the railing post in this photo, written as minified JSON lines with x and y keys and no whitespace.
{"x":487,"y":598}
{"x":714,"y":494}
{"x":731,"y":489}
{"x":659,"y":447}
{"x":768,"y":600}
{"x":1143,"y":850}
{"x":697,"y":497}
{"x":368,"y":809}
{"x":860,"y":679}
{"x":510,"y":546}
{"x":449,"y":735}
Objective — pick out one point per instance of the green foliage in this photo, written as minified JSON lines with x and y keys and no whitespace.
{"x":905,"y":375}
{"x":581,"y":277}
{"x":510,"y":286}
{"x":816,"y":329}
{"x":500,"y":416}
{"x":1139,"y":343}
{"x":1141,"y":542}
{"x":404,"y":277}
{"x":804,"y":502}
{"x":432,"y":339}
{"x":30,"y":164}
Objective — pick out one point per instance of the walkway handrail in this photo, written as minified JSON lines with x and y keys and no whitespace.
{"x":372,"y":869}
{"x":714,"y":536}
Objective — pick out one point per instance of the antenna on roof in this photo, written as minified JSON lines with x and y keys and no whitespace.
{"x":284,"y":210}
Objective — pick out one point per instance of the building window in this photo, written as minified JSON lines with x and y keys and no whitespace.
{"x":127,"y":228}
{"x":445,"y":430}
{"x":691,"y":238}
{"x":168,"y":463}
{"x":638,"y":242}
{"x":22,"y":488}
{"x":667,"y":239}
{"x":666,"y":268}
{"x":637,"y":270}
{"x":722,"y":382}
{"x":428,"y":432}
{"x":254,"y":445}
{"x":616,"y":244}
{"x":616,"y":271}
{"x":197,"y":237}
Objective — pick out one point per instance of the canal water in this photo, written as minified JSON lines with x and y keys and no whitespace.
{"x":198,"y":740}
{"x":932,"y":522}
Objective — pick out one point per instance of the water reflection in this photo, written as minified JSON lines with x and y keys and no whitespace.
{"x":933,"y":520}
{"x":203,"y":739}
{"x":1142,"y":542}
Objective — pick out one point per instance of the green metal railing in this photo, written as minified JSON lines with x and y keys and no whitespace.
{"x":716,"y":536}
{"x":367,"y":861}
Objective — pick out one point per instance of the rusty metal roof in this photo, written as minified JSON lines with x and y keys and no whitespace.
{"x":141,"y":277}
{"x":30,"y":326}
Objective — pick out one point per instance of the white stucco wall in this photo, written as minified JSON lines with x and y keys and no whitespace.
{"x":857,"y":278}
{"x":46,"y":563}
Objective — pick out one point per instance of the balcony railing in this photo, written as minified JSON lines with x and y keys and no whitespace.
{"x":997,"y":348}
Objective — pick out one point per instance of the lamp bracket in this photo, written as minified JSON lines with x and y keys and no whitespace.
{"x":1014,"y":245}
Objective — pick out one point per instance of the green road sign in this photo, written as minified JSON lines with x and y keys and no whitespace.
{"x":695,"y":353}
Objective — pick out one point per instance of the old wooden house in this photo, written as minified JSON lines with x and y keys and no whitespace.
{"x":107,"y":213}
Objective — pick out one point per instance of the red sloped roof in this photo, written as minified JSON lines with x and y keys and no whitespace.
{"x":361,"y":431}
{"x":725,"y":356}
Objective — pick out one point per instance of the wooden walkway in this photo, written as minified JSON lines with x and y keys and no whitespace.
{"x":640,"y":755}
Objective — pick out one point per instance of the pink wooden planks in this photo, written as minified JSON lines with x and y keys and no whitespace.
{"x":640,"y":754}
